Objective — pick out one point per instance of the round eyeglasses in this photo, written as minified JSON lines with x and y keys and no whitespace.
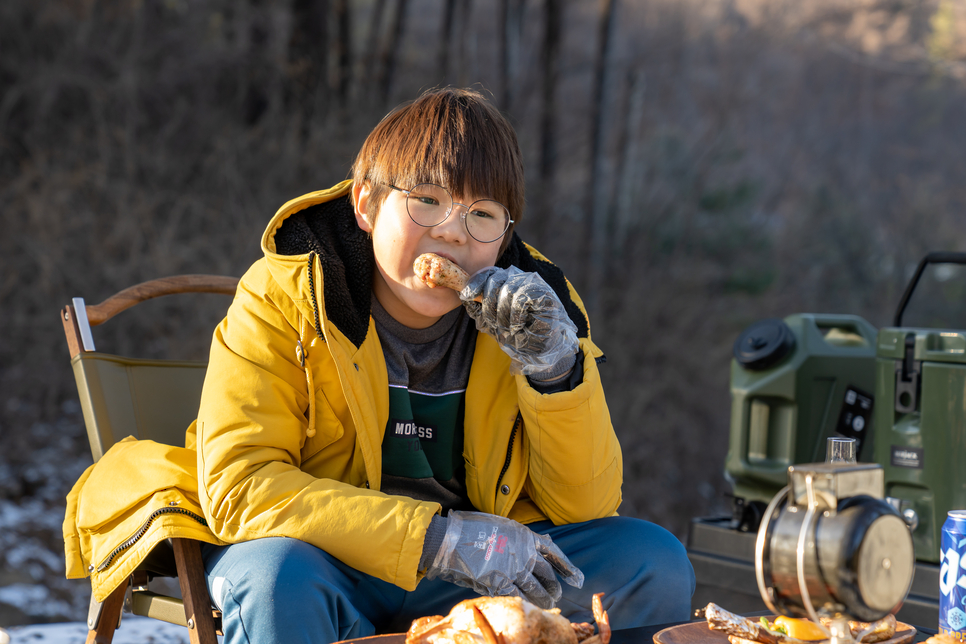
{"x":429,"y":205}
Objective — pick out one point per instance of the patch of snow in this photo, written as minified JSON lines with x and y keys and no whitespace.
{"x":33,"y":550}
{"x":33,"y":513}
{"x":33,"y":599}
{"x":133,"y":630}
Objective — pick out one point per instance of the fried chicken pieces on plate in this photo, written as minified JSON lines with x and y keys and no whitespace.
{"x":507,"y":620}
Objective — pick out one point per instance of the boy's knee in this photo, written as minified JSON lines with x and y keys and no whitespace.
{"x":642,"y":549}
{"x":281,"y":589}
{"x":653,"y":554}
{"x":669,"y":558}
{"x":645,"y":568}
{"x":670,"y":571}
{"x":273,"y":569}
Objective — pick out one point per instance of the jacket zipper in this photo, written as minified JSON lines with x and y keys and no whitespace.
{"x":509,"y":451}
{"x":144,"y":528}
{"x":315,"y":304}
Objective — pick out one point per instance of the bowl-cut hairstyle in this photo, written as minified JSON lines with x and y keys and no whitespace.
{"x":451,"y":137}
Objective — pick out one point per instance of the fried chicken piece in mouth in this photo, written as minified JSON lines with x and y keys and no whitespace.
{"x":434,"y":270}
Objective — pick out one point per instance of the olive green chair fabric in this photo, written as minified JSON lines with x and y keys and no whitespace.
{"x":147,"y":399}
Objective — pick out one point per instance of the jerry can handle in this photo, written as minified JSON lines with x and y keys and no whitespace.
{"x":847,"y":323}
{"x":931,"y":258}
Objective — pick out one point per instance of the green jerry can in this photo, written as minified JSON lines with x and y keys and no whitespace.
{"x":920,"y":417}
{"x":794,"y":383}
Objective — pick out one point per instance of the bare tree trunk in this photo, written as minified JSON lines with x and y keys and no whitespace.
{"x":502,"y":30}
{"x":343,"y":50}
{"x":391,"y":52}
{"x":511,"y":20}
{"x":626,"y":194}
{"x":308,"y":57}
{"x":632,"y":165}
{"x":256,"y":97}
{"x":597,"y":207}
{"x":553,"y":10}
{"x":466,"y":65}
{"x":445,"y":38}
{"x":372,"y":57}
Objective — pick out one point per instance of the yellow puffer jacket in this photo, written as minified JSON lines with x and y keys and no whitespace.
{"x":136,"y":496}
{"x":289,"y":433}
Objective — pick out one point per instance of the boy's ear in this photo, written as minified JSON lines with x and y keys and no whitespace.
{"x":360,"y":197}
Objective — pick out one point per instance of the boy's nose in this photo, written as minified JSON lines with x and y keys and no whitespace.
{"x":452,"y":228}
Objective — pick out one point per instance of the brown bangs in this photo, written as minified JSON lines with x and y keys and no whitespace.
{"x":451,"y":137}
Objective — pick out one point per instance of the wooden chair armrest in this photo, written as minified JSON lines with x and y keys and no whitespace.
{"x":79,"y":318}
{"x":100,"y":313}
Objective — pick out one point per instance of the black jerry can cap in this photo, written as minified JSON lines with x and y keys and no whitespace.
{"x":764,"y":344}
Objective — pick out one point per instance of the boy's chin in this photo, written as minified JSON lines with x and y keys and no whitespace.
{"x":436,"y":304}
{"x":433,"y":303}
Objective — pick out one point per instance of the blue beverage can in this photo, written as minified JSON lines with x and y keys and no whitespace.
{"x":952,"y":575}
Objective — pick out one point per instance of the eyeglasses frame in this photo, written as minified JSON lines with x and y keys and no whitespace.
{"x":454,"y":203}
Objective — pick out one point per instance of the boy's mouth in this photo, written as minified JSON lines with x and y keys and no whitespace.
{"x":437,"y":270}
{"x":447,"y":256}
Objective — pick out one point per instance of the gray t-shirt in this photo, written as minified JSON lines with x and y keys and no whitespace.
{"x":422,"y":449}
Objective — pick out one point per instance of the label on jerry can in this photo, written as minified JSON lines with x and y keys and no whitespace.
{"x":952,"y":576}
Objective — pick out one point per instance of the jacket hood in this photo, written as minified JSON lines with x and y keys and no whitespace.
{"x":322,"y":224}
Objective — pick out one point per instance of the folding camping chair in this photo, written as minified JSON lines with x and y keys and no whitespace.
{"x":149,"y":399}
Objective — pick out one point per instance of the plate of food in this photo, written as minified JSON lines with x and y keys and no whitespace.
{"x":723,"y":627}
{"x":500,"y":620}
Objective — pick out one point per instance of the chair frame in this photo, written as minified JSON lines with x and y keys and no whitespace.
{"x":195,"y":610}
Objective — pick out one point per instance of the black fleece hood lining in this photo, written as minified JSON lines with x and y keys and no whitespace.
{"x":517,"y":254}
{"x":345,"y":252}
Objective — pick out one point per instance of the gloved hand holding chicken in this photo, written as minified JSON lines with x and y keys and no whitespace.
{"x":519,"y":309}
{"x":526,"y":317}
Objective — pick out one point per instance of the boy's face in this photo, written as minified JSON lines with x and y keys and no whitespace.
{"x":397,"y":241}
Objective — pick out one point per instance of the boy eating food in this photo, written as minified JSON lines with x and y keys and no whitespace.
{"x":375,"y":449}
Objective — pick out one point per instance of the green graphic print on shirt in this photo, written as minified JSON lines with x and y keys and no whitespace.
{"x":424,"y":435}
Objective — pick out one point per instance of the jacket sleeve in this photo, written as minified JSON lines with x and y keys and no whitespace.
{"x":251,"y":428}
{"x":575,"y":466}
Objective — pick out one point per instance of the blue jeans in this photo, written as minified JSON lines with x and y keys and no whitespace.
{"x":285,"y":590}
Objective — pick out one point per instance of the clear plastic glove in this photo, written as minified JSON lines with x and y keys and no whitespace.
{"x":498,"y":556}
{"x":525,"y":316}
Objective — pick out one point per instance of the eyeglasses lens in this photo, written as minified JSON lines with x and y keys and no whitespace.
{"x":487,"y":220}
{"x":429,"y":205}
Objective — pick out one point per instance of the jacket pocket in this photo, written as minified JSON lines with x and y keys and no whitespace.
{"x":129,"y":474}
{"x":328,"y":427}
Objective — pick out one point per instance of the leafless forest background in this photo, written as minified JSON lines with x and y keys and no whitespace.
{"x":693,"y":165}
